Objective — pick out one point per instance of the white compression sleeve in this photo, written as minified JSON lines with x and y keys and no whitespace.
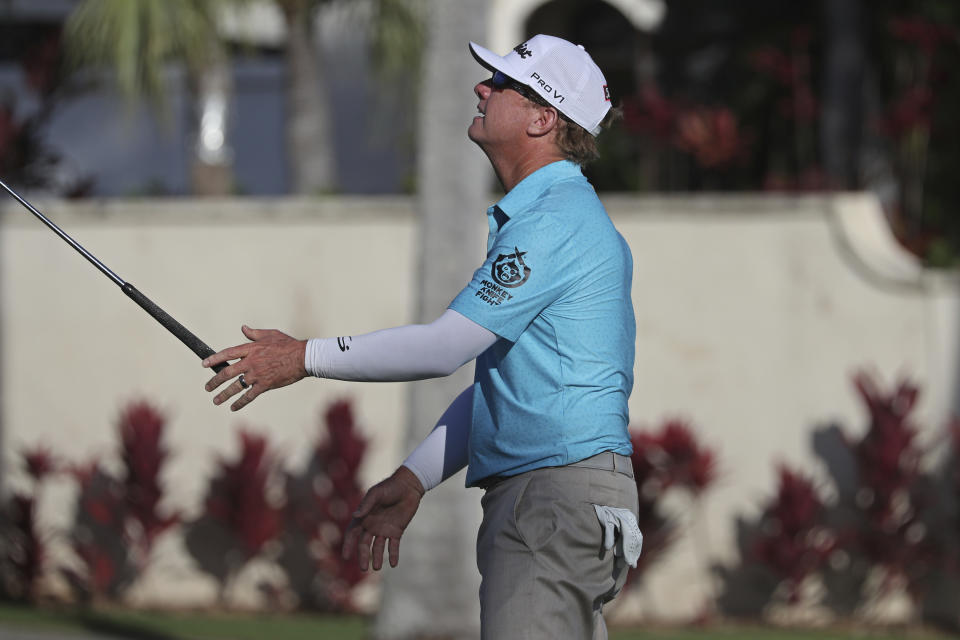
{"x":411,"y":352}
{"x":444,"y":451}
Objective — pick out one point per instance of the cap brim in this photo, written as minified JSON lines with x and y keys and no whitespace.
{"x":492,"y":61}
{"x":487,"y":58}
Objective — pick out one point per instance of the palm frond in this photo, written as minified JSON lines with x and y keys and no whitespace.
{"x":134,"y":39}
{"x":398,"y":34}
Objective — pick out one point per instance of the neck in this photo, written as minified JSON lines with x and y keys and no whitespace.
{"x":511,"y":170}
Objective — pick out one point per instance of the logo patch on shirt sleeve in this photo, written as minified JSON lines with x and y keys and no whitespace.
{"x":510,"y":270}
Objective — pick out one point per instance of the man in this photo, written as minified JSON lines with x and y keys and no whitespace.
{"x":549,"y":320}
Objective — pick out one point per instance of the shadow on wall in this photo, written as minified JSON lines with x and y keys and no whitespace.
{"x":883,"y":524}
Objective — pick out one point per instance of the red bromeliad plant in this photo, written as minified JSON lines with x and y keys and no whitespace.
{"x":888,"y":456}
{"x":143,"y":455}
{"x":22,"y":548}
{"x":320,"y":501}
{"x":663,"y":460}
{"x":650,"y":114}
{"x":890,"y":497}
{"x":40,"y":463}
{"x":793,"y":541}
{"x":241,"y":516}
{"x":885,"y":519}
{"x":239,"y":497}
{"x":684,"y":462}
{"x":880,"y":525}
{"x":99,"y":537}
{"x":118,"y":519}
{"x":713,"y":136}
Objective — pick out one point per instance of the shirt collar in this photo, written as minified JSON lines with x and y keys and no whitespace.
{"x":528,"y":190}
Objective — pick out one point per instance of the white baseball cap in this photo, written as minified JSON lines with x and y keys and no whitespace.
{"x":561,"y":72}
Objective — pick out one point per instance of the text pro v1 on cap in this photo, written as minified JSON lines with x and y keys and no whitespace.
{"x":563,"y":73}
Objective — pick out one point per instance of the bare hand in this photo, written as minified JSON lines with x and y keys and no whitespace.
{"x":383,"y":514}
{"x":271,"y":360}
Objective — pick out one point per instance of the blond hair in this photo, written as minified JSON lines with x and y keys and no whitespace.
{"x":575,"y":142}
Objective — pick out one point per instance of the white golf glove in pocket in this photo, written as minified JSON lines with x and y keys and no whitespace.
{"x":630,"y":540}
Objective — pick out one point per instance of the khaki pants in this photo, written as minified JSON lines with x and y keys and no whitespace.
{"x":545,"y":574}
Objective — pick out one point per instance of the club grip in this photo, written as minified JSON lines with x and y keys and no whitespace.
{"x":183,"y":334}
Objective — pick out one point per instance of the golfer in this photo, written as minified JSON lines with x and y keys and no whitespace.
{"x":549,"y":320}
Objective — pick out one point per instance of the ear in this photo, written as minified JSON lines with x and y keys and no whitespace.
{"x":543,"y":121}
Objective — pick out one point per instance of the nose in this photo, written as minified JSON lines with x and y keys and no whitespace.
{"x":483,"y":89}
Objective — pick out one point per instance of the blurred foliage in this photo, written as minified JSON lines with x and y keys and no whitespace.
{"x":26,"y":157}
{"x":917,"y":50}
{"x":724,"y":96}
{"x":23,"y":549}
{"x":733,"y":96}
{"x":884,"y":523}
{"x":118,"y":517}
{"x":320,"y":501}
{"x":397,"y":36}
{"x":254,"y":509}
{"x":665,"y":461}
{"x":136,"y":39}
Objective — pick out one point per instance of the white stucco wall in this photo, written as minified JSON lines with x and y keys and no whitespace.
{"x":752,"y":313}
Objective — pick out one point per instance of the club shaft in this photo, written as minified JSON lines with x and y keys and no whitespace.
{"x":183,"y":334}
{"x":63,"y":234}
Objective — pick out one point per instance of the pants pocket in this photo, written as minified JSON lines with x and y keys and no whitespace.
{"x":535,"y":513}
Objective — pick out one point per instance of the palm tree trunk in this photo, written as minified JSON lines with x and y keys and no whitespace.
{"x":212,"y":163}
{"x":309,"y":142}
{"x":433,"y":592}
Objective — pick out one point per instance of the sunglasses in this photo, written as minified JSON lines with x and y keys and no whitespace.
{"x":500,"y":80}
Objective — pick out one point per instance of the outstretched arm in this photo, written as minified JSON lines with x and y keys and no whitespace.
{"x":273,"y":359}
{"x":388,"y":507}
{"x":411,"y":352}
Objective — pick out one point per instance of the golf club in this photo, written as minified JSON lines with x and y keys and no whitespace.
{"x":183,"y":334}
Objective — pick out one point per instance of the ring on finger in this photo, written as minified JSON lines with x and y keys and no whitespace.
{"x":243,"y":383}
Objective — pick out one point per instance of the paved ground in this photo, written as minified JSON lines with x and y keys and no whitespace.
{"x":14,"y":633}
{"x":8,"y":633}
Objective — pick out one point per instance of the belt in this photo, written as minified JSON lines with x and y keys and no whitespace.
{"x":606,"y":461}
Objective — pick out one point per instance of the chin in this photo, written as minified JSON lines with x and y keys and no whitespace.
{"x":473,"y":132}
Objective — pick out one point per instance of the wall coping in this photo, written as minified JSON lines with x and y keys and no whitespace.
{"x":856,"y":219}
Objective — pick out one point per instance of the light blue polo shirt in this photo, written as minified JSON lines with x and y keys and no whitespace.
{"x":555,"y":288}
